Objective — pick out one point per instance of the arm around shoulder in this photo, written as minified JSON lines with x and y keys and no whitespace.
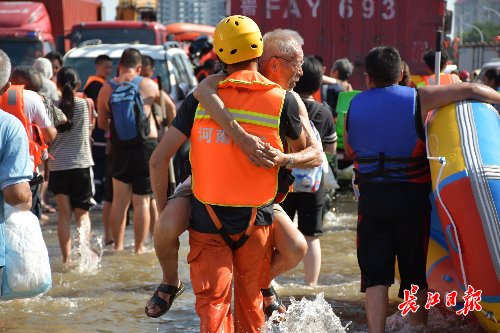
{"x":432,"y":97}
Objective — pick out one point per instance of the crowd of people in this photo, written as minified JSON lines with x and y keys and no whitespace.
{"x":270,"y":112}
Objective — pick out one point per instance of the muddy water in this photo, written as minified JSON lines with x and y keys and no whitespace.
{"x":111,"y":297}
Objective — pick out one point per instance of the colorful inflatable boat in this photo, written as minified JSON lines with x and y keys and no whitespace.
{"x":464,"y":150}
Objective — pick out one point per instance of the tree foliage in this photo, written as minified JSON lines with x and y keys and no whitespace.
{"x":489,"y":30}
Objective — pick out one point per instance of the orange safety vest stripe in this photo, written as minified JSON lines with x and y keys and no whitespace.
{"x":222,"y":173}
{"x":12,"y":101}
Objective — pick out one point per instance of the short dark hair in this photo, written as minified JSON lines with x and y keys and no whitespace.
{"x":54,"y":56}
{"x":310,"y":81}
{"x":148,"y":61}
{"x":131,"y":58}
{"x":493,"y":74}
{"x":102,"y":58}
{"x":32,"y":78}
{"x":319,"y":58}
{"x":430,"y":58}
{"x":383,"y":65}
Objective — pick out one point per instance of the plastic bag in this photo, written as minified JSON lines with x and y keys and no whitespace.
{"x":27,"y":267}
{"x":329,"y":181}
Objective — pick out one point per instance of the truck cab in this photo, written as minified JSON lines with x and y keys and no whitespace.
{"x":25,"y":31}
{"x":152,"y":33}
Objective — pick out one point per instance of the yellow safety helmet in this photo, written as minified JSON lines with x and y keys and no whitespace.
{"x":237,"y":38}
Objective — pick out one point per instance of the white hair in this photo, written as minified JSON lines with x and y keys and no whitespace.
{"x":280,"y":42}
{"x":5,"y":68}
{"x":44,"y":67}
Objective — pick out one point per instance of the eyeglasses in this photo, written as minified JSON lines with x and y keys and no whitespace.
{"x":294,"y":64}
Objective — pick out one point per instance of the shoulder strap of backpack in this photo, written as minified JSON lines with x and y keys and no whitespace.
{"x":136,"y":81}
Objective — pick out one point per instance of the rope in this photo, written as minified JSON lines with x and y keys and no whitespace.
{"x":442,"y":161}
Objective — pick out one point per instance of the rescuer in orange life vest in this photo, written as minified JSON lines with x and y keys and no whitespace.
{"x":429,"y":59}
{"x":231,"y":228}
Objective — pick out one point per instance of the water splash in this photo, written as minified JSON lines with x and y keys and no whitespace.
{"x":306,"y":316}
{"x":86,"y":252}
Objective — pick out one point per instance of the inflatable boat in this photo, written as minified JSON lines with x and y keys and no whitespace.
{"x":463,"y":143}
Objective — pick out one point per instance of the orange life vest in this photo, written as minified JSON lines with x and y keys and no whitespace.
{"x":443,"y":79}
{"x":221,"y":173}
{"x":91,"y":79}
{"x":12,"y":101}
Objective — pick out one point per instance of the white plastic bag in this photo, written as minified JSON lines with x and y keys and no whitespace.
{"x":27,"y":268}
{"x":329,"y":181}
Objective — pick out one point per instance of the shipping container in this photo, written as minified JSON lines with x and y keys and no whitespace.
{"x":65,"y":13}
{"x":336,"y":29}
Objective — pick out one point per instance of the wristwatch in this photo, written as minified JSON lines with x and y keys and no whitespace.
{"x":289,"y":165}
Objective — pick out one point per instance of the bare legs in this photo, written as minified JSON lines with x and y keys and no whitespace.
{"x":290,"y":245}
{"x":119,"y":207}
{"x":106,"y":221}
{"x":376,"y":302}
{"x":64,"y":223}
{"x":312,"y":261}
{"x":173,"y":221}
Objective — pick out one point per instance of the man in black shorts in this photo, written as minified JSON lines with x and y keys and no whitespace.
{"x":385,"y":135}
{"x":130,"y":161}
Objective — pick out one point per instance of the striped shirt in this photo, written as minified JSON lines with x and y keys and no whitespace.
{"x":71,"y":149}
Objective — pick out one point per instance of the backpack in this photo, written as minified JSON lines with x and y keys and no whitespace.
{"x":309,"y":180}
{"x":12,"y":102}
{"x":129,"y":124}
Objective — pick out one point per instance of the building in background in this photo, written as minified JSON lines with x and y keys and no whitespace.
{"x":471,"y":12}
{"x":193,"y":11}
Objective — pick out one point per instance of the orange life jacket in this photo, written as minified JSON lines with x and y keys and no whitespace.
{"x":12,"y":101}
{"x":443,"y":79}
{"x":221,"y":173}
{"x":93,"y":78}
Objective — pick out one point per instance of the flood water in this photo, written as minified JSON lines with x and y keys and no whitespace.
{"x":110,"y":296}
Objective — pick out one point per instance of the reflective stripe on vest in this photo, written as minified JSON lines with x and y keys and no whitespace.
{"x":222,"y":173}
{"x":243,"y":116}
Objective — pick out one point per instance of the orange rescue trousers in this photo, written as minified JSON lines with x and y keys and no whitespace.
{"x":211,"y":264}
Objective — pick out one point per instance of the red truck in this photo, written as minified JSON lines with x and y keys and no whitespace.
{"x":350,"y":28}
{"x":29,"y":29}
{"x":110,"y":32}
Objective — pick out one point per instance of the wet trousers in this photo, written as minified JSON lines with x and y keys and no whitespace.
{"x":214,"y":265}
